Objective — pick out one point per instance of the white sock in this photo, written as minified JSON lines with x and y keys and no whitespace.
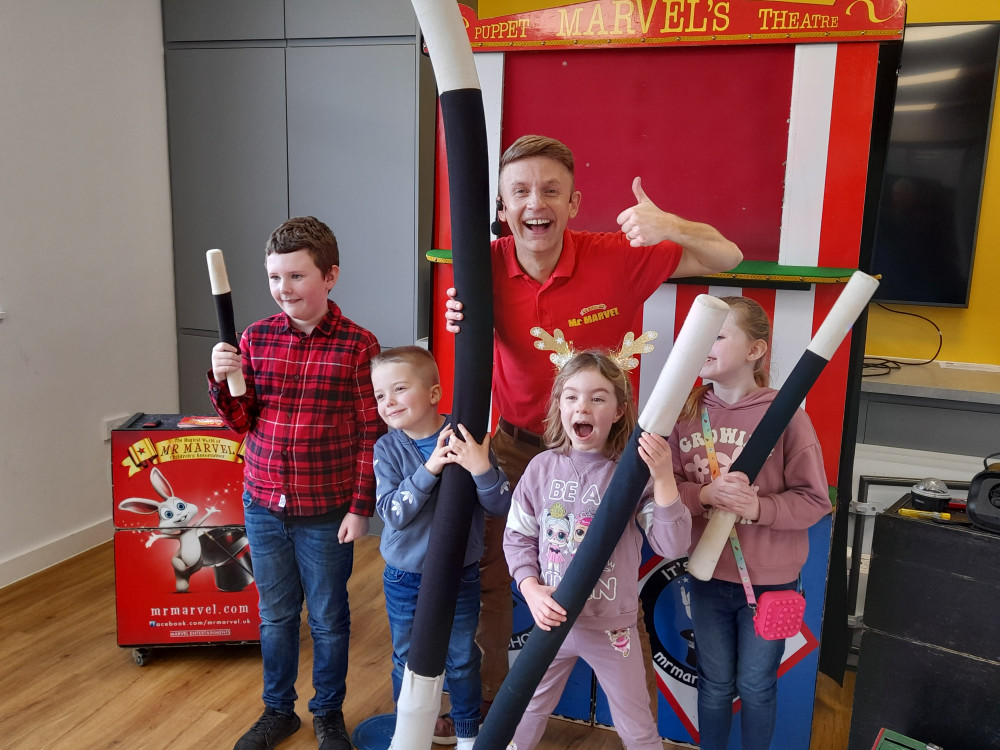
{"x":465,"y":743}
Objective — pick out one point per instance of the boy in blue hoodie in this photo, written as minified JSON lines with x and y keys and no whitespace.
{"x":409,"y":460}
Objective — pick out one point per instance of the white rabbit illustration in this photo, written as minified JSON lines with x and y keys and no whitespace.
{"x":175,"y":516}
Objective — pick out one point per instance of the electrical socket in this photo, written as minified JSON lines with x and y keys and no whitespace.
{"x":110,"y":423}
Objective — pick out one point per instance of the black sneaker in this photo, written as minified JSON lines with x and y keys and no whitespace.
{"x":270,"y":729}
{"x":331,"y":734}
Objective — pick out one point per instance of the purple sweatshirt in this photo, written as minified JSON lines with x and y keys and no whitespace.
{"x":553,"y":505}
{"x":792,"y":485}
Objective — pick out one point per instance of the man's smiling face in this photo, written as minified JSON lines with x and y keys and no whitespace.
{"x":538,"y":202}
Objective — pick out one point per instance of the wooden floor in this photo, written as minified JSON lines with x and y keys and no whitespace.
{"x":65,"y":684}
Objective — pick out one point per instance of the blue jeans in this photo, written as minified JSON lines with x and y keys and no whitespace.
{"x":291,"y":563}
{"x":461,"y":670}
{"x":733,"y":661}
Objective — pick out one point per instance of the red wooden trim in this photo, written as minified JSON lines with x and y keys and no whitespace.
{"x":847,"y":155}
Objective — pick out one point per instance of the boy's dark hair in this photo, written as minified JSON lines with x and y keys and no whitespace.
{"x":537,"y":145}
{"x":306,"y":233}
{"x":416,"y":357}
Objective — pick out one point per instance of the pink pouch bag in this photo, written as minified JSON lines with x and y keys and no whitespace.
{"x":779,"y":614}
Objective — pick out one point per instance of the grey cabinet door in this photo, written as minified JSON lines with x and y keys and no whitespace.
{"x":228,"y":173}
{"x":349,"y":18}
{"x":352,"y":162}
{"x":210,"y":20}
{"x":194,"y":359}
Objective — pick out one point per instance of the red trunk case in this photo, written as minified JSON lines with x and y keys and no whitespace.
{"x":183,"y":571}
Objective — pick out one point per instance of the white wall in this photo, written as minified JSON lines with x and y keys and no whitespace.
{"x":86,"y":274}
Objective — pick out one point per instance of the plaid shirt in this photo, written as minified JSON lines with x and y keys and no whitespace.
{"x":310,"y":413}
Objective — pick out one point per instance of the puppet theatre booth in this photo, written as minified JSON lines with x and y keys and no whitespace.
{"x":761,"y":118}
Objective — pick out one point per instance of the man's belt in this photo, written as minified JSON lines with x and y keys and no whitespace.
{"x":522,"y":436}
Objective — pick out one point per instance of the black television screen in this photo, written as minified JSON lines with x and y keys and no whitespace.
{"x":929,"y":207}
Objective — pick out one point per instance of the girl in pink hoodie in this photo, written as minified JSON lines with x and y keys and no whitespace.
{"x":788,"y":496}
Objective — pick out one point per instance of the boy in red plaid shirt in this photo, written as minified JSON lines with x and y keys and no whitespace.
{"x":311,"y":422}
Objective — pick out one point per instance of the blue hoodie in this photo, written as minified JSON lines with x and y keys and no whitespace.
{"x":404,"y":500}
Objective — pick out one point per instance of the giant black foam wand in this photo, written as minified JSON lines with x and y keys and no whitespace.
{"x":464,"y":120}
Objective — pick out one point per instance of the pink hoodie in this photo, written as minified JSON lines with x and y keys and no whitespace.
{"x":792,"y":485}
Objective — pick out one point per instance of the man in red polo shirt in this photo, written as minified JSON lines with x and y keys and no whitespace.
{"x":591,"y":286}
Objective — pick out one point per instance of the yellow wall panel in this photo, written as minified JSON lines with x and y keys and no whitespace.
{"x":969,"y":335}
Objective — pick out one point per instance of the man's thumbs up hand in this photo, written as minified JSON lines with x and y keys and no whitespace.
{"x":644,"y":223}
{"x":640,"y":194}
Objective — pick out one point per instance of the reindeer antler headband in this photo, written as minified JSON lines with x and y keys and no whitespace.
{"x":562,"y":350}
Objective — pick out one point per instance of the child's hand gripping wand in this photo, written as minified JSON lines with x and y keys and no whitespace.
{"x":859,"y":290}
{"x":224,"y":313}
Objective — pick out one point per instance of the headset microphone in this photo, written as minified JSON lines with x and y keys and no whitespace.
{"x":496,"y":227}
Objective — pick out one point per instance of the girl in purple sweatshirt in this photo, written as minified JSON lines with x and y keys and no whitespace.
{"x":590,"y":417}
{"x":788,"y":496}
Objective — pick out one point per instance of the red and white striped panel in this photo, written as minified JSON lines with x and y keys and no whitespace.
{"x":822,"y":201}
{"x":829,"y":132}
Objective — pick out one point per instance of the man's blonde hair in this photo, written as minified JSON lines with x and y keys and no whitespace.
{"x":537,"y":145}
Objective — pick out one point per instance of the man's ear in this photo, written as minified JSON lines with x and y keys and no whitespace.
{"x":574,"y":203}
